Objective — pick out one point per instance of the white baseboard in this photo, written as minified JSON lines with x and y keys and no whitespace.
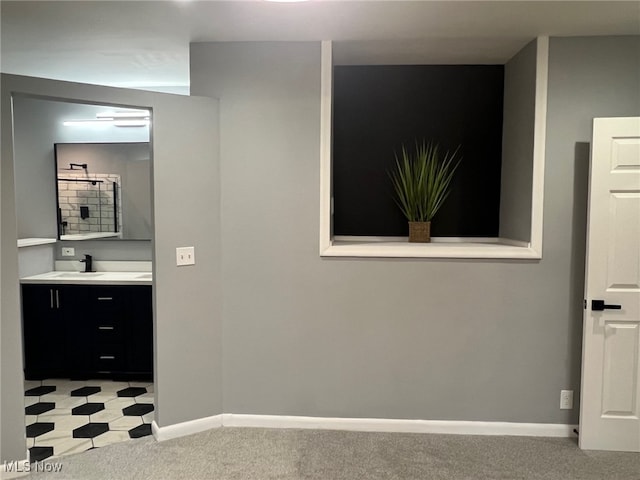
{"x":362,"y":425}
{"x":185,"y":428}
{"x":400,"y":426}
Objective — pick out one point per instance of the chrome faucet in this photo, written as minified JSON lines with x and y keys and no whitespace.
{"x":88,"y":263}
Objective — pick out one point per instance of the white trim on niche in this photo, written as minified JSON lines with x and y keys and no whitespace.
{"x":362,"y":425}
{"x":326,"y":190}
{"x":539,"y":142}
{"x":498,"y":248}
{"x":347,"y":238}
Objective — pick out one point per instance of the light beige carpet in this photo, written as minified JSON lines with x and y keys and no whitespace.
{"x":251,"y":453}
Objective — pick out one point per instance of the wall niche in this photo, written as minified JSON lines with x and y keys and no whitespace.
{"x":377,"y":109}
{"x":496,"y":112}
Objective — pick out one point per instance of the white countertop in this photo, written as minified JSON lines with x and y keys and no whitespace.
{"x":91,"y":278}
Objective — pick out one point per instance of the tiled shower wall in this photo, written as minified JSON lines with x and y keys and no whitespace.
{"x":97,"y":198}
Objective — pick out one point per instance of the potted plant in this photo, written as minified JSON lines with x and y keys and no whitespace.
{"x":421,"y":182}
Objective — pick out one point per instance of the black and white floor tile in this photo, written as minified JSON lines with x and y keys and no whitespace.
{"x":70,"y":416}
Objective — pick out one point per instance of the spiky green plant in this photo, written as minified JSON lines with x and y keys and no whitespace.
{"x":421,"y":180}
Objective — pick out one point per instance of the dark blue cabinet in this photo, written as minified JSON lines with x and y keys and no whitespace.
{"x":48,"y":327}
{"x":88,"y":331}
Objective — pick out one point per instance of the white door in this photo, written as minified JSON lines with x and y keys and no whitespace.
{"x":610,"y":400}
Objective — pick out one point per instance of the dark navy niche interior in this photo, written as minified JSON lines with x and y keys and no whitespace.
{"x":377,"y":109}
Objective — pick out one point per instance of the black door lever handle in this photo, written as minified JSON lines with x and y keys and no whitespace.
{"x":599,"y":305}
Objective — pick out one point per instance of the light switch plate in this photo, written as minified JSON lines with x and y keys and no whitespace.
{"x":185,"y":256}
{"x":68,"y":251}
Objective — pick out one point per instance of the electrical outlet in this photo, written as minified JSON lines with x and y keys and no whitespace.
{"x":566,"y":399}
{"x":68,"y":251}
{"x":185,"y":256}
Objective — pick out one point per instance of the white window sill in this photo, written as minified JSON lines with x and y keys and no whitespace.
{"x":398,"y":247}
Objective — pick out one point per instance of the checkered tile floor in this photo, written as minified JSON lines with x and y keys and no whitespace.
{"x":68,"y":416}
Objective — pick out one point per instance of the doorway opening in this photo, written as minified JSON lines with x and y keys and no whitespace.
{"x":83,"y":179}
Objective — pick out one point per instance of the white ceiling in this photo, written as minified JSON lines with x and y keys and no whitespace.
{"x":146,"y":43}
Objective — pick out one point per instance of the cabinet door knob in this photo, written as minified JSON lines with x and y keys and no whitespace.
{"x":107,"y":357}
{"x":105,"y":328}
{"x":105,"y":298}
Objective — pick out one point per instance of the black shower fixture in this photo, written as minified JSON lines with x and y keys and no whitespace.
{"x":81,"y":165}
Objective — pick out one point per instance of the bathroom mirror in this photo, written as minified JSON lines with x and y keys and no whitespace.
{"x":103,"y":191}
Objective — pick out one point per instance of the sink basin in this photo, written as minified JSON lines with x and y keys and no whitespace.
{"x":78,"y":274}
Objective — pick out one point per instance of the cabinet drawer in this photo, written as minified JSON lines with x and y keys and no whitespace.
{"x":108,"y":333}
{"x":106,"y":299}
{"x":108,"y":358}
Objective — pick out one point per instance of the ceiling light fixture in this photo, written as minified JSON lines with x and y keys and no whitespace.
{"x":143,"y":122}
{"x":143,"y":114}
{"x":127,"y":118}
{"x":134,"y":122}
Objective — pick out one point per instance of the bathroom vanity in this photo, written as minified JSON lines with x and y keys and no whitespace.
{"x":88,"y":325}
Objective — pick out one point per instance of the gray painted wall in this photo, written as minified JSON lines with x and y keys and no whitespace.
{"x":517,"y":144}
{"x":12,"y":433}
{"x":188,"y":368}
{"x":588,"y":78}
{"x":432,"y":339}
{"x":187,"y":305}
{"x":136,"y":198}
{"x":428,"y":339}
{"x":119,"y":250}
{"x":36,"y":259}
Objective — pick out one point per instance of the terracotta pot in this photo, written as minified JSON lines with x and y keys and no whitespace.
{"x":420,"y":232}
